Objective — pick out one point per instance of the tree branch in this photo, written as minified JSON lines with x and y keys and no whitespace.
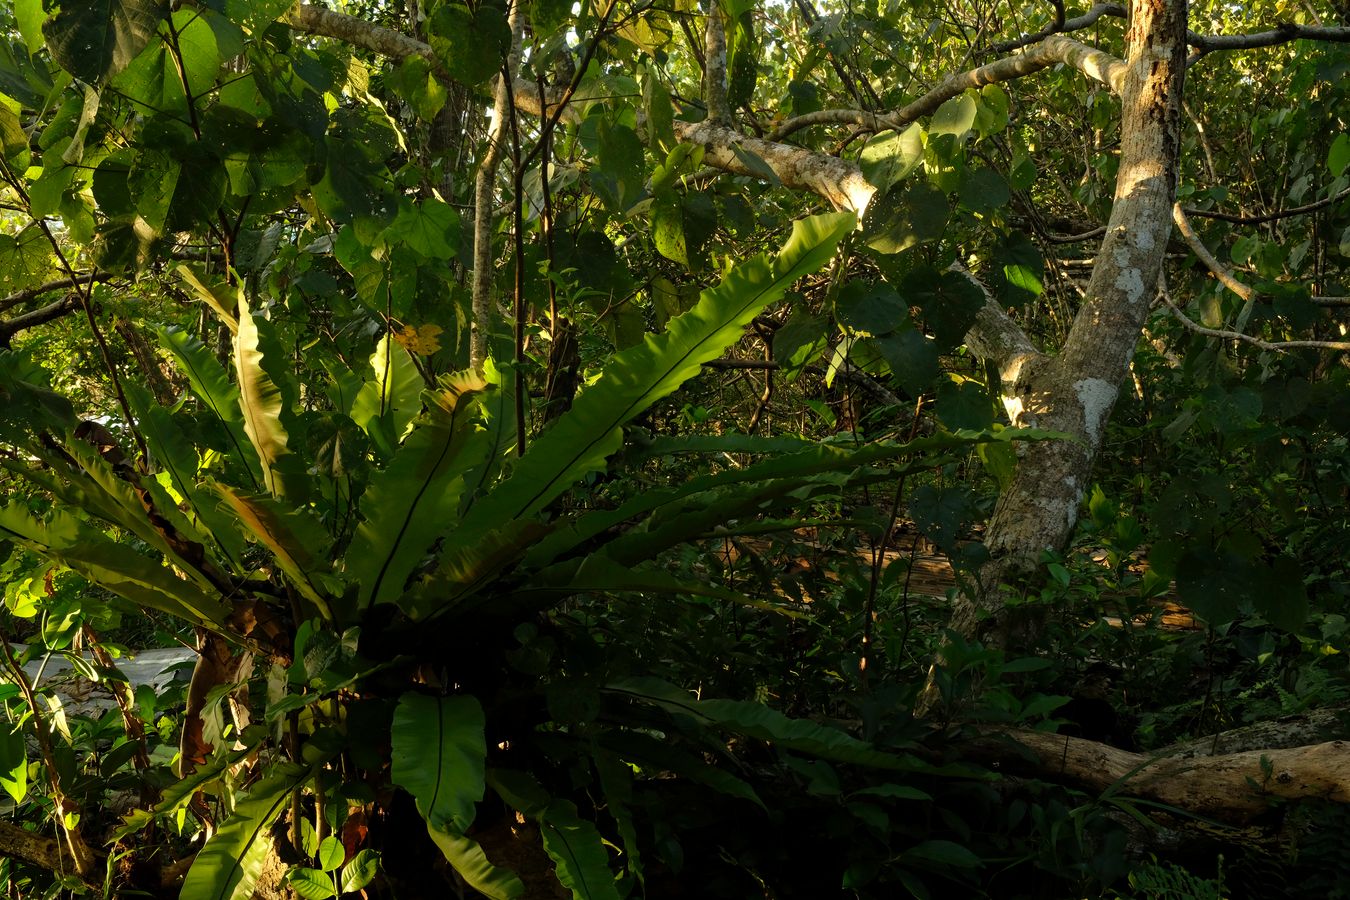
{"x":481,"y":291}
{"x":1056,"y":49}
{"x":996,"y":338}
{"x":1234,"y":787}
{"x":1060,"y":26}
{"x":63,"y":307}
{"x":1280,"y":34}
{"x":1219,"y":270}
{"x":1270,"y":217}
{"x":318,"y":20}
{"x":1277,"y":346}
{"x":23,"y":296}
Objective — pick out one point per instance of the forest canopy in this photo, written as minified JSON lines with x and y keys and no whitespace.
{"x":659,"y":449}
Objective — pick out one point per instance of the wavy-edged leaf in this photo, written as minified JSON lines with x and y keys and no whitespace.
{"x":260,"y":397}
{"x":462,"y":570}
{"x":578,"y":852}
{"x":469,"y":860}
{"x":387,"y":404}
{"x":415,"y":499}
{"x":596,"y":573}
{"x":616,"y":781}
{"x":116,"y":567}
{"x":654,"y":754}
{"x":227,"y":868}
{"x":178,"y":459}
{"x":213,"y":388}
{"x":179,"y":794}
{"x":499,"y":423}
{"x":759,"y":721}
{"x":298,"y":541}
{"x":585,"y":436}
{"x":438,"y":756}
{"x":143,"y":509}
{"x":221,"y":297}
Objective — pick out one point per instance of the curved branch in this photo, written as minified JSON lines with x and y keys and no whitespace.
{"x":1219,"y":270}
{"x":1280,"y":34}
{"x":1056,"y":49}
{"x":1278,"y":346}
{"x":1060,"y":26}
{"x":1270,"y":217}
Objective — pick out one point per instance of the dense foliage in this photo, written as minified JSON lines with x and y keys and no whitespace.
{"x":568,"y":501}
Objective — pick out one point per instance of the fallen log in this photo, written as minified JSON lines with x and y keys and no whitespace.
{"x":1233,"y":788}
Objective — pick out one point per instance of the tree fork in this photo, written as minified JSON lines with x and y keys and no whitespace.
{"x":1075,"y":391}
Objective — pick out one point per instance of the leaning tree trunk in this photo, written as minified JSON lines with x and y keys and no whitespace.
{"x":1075,"y":391}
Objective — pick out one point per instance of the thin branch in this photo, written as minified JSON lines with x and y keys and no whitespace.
{"x":1056,"y":49}
{"x":1060,"y":26}
{"x":1278,"y":346}
{"x":1220,"y":271}
{"x":1280,"y":34}
{"x":1269,"y":217}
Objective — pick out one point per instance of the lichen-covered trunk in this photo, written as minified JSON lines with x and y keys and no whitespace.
{"x":1075,"y":391}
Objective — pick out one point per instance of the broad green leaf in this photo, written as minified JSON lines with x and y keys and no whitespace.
{"x":260,"y":399}
{"x":654,"y":754}
{"x":469,"y":860}
{"x":761,"y":479}
{"x":331,"y":854}
{"x":598,"y":574}
{"x":463,"y":569}
{"x":228,"y":867}
{"x":387,"y":403}
{"x":616,"y":782}
{"x":220,"y":296}
{"x":361,"y":871}
{"x":13,"y":762}
{"x":956,"y":116}
{"x":95,"y":39}
{"x":578,"y":852}
{"x":583,"y":438}
{"x":29,"y":16}
{"x":311,"y":884}
{"x":430,"y":227}
{"x":415,"y":499}
{"x":180,"y":793}
{"x":890,"y":156}
{"x":438,"y":756}
{"x":1338,"y":157}
{"x":946,"y":853}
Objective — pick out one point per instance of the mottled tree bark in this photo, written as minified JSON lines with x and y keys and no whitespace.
{"x":1075,"y":391}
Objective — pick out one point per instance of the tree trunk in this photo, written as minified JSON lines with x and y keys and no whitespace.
{"x":1075,"y":391}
